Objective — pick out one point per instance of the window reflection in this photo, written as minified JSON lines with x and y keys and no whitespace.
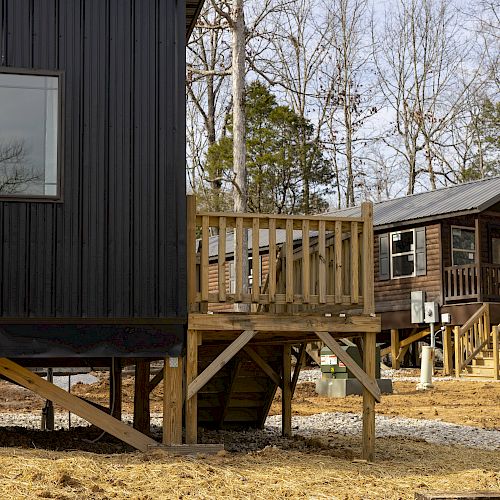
{"x":28,"y":134}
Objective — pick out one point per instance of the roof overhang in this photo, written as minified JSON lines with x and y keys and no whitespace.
{"x":193,"y":8}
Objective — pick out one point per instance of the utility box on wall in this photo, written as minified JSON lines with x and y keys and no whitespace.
{"x":431,"y":312}
{"x":417,"y":306}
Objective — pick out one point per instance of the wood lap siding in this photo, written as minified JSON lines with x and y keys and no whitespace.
{"x":394,"y":294}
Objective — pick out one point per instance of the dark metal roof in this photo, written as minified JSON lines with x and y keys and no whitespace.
{"x":193,"y":8}
{"x":471,"y":197}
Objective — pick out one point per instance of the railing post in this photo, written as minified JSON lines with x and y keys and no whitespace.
{"x":478,"y":259}
{"x":191,"y":251}
{"x":458,"y":355}
{"x":496,"y":354}
{"x":368,"y":285}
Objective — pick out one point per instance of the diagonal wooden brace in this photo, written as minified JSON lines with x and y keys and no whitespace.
{"x":219,"y":362}
{"x":106,"y":422}
{"x":264,"y":366}
{"x":369,"y":384}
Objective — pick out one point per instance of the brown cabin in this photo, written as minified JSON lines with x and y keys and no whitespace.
{"x":445,"y":243}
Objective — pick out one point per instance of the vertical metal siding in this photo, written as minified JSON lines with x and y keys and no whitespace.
{"x":115,"y":246}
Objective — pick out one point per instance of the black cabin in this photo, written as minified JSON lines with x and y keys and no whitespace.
{"x":92,"y":177}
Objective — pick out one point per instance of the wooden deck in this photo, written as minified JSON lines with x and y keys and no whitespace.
{"x":242,"y":335}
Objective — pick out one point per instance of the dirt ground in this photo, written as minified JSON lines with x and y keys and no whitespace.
{"x":474,"y":403}
{"x":320,"y":468}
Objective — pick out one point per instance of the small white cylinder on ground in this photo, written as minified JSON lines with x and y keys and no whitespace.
{"x":426,"y":368}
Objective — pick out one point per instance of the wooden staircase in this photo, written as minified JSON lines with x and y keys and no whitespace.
{"x":240,"y":394}
{"x":477,"y":347}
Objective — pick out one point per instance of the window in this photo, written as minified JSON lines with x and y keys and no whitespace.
{"x":29,"y":134}
{"x":402,"y":254}
{"x":232,"y":275}
{"x":463,"y":246}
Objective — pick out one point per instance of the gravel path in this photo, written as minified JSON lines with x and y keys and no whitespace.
{"x":320,"y":425}
{"x":431,"y":431}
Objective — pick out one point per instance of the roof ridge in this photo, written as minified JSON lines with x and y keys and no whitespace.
{"x":477,"y":181}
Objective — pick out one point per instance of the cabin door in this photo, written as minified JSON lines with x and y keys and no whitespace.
{"x":495,"y":244}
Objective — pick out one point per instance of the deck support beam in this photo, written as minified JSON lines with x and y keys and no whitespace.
{"x":115,"y":388}
{"x":369,"y":357}
{"x":286,"y":392}
{"x":263,"y":365}
{"x":395,"y":349}
{"x":447,"y":351}
{"x":172,"y":401}
{"x":193,"y":340}
{"x":141,"y":396}
{"x":46,"y":390}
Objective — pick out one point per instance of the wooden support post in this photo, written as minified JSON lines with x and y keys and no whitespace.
{"x":368,"y":399}
{"x":369,"y":339}
{"x":447,"y":351}
{"x":115,"y":388}
{"x":141,"y":396}
{"x":458,"y":356}
{"x":496,"y":354}
{"x":75,"y":405}
{"x":286,"y":392}
{"x":172,"y":401}
{"x":191,"y":373}
{"x":301,"y":357}
{"x":395,"y":348}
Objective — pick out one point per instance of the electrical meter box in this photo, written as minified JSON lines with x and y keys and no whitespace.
{"x":332,"y":367}
{"x":417,"y":307}
{"x":431,"y":312}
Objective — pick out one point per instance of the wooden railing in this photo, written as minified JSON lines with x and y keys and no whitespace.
{"x":472,"y":338}
{"x":472,"y":282}
{"x":310,"y":260}
{"x":461,"y":282}
{"x":490,"y":282}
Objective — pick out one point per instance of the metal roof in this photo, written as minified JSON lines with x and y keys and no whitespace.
{"x":471,"y":197}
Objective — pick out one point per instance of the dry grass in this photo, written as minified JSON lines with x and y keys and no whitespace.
{"x":402,"y":467}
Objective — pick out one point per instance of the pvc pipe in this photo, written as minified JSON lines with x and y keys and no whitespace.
{"x":426,"y":368}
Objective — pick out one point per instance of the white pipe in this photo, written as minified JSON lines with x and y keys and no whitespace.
{"x":426,"y":368}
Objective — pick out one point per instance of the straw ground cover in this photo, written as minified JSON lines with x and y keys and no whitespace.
{"x":402,"y":467}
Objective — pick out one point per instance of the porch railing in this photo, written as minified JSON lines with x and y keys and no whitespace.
{"x":312,"y":260}
{"x":474,"y":337}
{"x":472,"y":282}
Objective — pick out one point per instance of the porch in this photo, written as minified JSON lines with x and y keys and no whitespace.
{"x":472,"y":282}
{"x":310,"y":278}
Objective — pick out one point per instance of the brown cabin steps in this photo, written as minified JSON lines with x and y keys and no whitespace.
{"x":240,"y":394}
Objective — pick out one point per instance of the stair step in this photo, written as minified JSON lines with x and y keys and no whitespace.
{"x":480,"y":370}
{"x":483,"y":362}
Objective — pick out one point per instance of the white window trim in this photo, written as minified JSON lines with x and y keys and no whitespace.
{"x":412,"y":252}
{"x":467,"y":228}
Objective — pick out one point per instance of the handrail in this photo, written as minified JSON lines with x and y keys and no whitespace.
{"x":320,"y":259}
{"x":472,"y":337}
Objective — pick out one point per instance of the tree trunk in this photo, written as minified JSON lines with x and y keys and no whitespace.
{"x":240,"y":188}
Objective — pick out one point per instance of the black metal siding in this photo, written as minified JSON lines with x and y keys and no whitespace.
{"x":115,"y":246}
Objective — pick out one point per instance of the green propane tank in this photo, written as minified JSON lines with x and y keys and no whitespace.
{"x":332,"y":367}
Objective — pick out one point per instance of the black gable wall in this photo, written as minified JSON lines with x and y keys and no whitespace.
{"x":114,"y":247}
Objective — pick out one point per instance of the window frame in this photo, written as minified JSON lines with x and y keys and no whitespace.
{"x":412,"y":252}
{"x":452,"y":250}
{"x":58,"y":198}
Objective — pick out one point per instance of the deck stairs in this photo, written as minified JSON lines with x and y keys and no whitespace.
{"x":477,"y":347}
{"x":240,"y":394}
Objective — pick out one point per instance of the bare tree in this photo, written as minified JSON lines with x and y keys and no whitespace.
{"x":420,"y":58}
{"x":15,"y":172}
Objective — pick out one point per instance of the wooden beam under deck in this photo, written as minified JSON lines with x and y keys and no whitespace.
{"x":284,"y":323}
